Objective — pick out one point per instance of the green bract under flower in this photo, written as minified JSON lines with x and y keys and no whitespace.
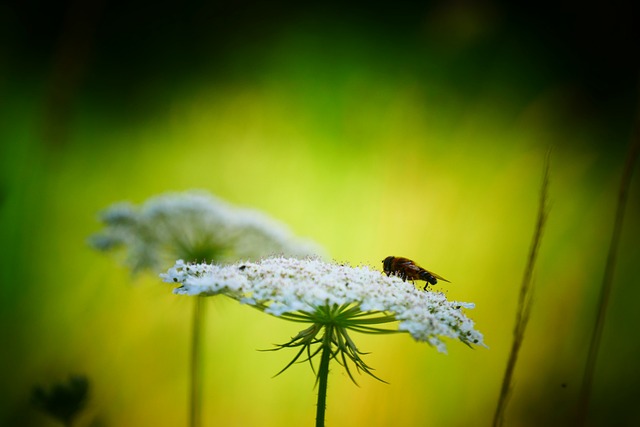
{"x":194,"y":226}
{"x":310,"y":290}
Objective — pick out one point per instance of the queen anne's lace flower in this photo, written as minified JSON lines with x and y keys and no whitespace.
{"x":310,"y":289}
{"x":194,"y":226}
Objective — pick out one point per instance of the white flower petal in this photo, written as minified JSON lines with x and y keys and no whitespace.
{"x":290,"y":285}
{"x":194,"y":225}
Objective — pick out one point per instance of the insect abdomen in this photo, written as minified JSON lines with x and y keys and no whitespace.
{"x":427,"y":277}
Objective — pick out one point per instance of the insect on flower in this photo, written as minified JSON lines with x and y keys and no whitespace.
{"x":405,"y":269}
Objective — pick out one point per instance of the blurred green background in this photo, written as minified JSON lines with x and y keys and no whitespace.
{"x":415,"y":130}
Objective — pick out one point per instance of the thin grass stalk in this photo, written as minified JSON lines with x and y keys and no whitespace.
{"x":524,"y":300}
{"x":607,"y":280}
{"x":197,"y":327}
{"x":323,"y":375}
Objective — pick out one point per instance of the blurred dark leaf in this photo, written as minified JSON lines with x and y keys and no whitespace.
{"x":62,"y":401}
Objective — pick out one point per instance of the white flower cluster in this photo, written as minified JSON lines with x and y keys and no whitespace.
{"x":195,"y":226}
{"x":286,"y":285}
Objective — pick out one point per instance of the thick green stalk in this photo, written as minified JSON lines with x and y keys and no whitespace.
{"x":197,"y":327}
{"x":323,"y":375}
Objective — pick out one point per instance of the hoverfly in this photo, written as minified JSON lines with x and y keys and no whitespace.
{"x":406,"y":269}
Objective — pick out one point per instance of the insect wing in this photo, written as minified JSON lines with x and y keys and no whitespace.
{"x":438,"y":277}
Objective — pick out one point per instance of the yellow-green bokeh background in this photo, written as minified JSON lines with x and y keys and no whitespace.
{"x":340,"y":135}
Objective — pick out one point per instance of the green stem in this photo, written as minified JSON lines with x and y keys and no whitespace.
{"x":607,"y":280}
{"x":524,"y":301}
{"x":197,"y":327}
{"x":323,"y":375}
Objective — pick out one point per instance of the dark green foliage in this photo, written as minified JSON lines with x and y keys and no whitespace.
{"x":64,"y":400}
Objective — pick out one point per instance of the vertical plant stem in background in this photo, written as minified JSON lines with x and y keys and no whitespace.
{"x":524,"y":301}
{"x":197,"y":327}
{"x":323,"y":376}
{"x":607,"y":280}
